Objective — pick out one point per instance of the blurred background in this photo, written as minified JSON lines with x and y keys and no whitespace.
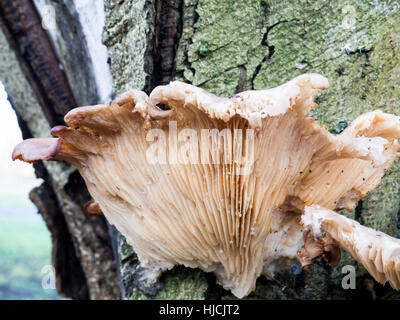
{"x":25,"y":241}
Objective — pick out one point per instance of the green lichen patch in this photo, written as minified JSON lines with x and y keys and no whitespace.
{"x":127,"y":35}
{"x":218,"y":38}
{"x":180,"y":284}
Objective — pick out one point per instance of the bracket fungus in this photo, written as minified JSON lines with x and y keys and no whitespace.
{"x":228,"y":184}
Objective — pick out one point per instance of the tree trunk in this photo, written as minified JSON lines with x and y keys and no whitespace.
{"x":224,"y":47}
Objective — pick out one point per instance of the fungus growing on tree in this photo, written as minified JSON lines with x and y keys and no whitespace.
{"x":193,"y":179}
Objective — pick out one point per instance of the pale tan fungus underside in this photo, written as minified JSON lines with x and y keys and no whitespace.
{"x":208,"y":215}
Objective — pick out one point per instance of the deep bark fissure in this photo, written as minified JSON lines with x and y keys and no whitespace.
{"x":271,"y":51}
{"x":398,"y":220}
{"x":242,"y":78}
{"x":168,"y":31}
{"x":358,"y":212}
{"x":214,"y":290}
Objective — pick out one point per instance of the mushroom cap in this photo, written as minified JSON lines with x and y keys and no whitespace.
{"x":218,"y":183}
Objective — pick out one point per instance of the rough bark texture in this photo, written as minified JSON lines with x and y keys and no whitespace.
{"x":235,"y":45}
{"x":41,"y":93}
{"x":73,"y":53}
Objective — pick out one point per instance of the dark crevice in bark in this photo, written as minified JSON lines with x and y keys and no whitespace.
{"x":242,"y":78}
{"x":214,"y":290}
{"x":22,"y":25}
{"x":362,"y":51}
{"x":114,"y":236}
{"x":168,"y":30}
{"x":257,"y":71}
{"x":358,"y":212}
{"x":398,"y":220}
{"x":271,"y":51}
{"x":188,"y":65}
{"x":76,"y":188}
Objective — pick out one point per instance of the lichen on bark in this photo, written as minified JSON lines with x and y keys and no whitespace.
{"x":128,"y":36}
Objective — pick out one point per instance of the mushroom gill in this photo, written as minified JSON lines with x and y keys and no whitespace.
{"x":218,"y":183}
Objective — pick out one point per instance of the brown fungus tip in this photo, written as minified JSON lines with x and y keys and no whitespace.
{"x":32,"y":150}
{"x":92,"y":208}
{"x":55,"y":131}
{"x":332,"y":254}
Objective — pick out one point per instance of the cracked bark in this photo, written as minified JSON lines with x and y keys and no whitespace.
{"x":168,"y":29}
{"x":271,"y":51}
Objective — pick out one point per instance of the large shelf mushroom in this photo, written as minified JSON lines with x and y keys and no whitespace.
{"x":233,"y":208}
